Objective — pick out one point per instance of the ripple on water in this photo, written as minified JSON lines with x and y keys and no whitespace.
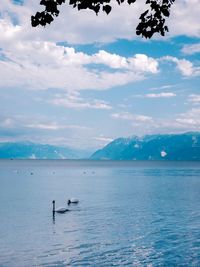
{"x":127,"y":216}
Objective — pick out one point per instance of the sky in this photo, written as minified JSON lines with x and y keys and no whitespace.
{"x":85,"y":80}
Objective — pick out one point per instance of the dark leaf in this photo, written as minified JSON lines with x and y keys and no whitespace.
{"x":165,"y":12}
{"x":107,"y":9}
{"x":96,"y":8}
{"x":144,"y":14}
{"x":131,"y":1}
{"x":48,"y":18}
{"x":34,"y":22}
{"x":151,"y":21}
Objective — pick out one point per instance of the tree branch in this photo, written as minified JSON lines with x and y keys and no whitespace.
{"x":151,"y":21}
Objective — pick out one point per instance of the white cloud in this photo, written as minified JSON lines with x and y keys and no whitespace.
{"x":31,"y":60}
{"x":73,"y":101}
{"x":112,"y":60}
{"x":139,"y":62}
{"x":74,"y":26}
{"x":183,"y":122}
{"x":190,"y":119}
{"x":194,"y":99}
{"x":8,"y":31}
{"x":161,"y":95}
{"x":7,"y":123}
{"x":103,"y":139}
{"x":131,"y":117}
{"x":43,"y":65}
{"x":23,"y":122}
{"x":144,"y":63}
{"x":186,"y":67}
{"x":53,"y":126}
{"x":46,"y":130}
{"x":78,"y":27}
{"x":161,"y":87}
{"x":184,"y":18}
{"x":191,"y":49}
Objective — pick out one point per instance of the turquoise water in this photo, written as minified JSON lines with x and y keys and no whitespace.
{"x":130,"y":213}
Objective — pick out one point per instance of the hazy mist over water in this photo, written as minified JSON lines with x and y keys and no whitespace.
{"x":130,"y":213}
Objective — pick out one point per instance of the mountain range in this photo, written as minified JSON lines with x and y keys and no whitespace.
{"x":184,"y":146}
{"x":29,"y":150}
{"x":152,"y":147}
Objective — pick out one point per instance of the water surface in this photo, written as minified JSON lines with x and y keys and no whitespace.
{"x":130,"y":213}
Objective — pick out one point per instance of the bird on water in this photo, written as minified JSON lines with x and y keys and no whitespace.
{"x":72,"y":201}
{"x":59,"y":210}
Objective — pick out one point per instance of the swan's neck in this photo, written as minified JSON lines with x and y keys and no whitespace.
{"x":54,"y":207}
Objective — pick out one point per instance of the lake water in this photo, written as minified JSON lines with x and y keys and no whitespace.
{"x":130,"y":213}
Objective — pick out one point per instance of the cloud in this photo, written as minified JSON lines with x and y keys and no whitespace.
{"x":156,"y":95}
{"x":7,"y":122}
{"x":184,"y":18}
{"x":43,"y":65}
{"x":22,"y":122}
{"x":162,"y":87}
{"x":74,"y":101}
{"x":183,"y":122}
{"x":131,"y":117}
{"x":190,"y":119}
{"x":139,"y":62}
{"x":40,"y":129}
{"x":191,"y":49}
{"x":81,"y":27}
{"x":54,"y":126}
{"x":8,"y":31}
{"x":161,"y":95}
{"x":112,"y":60}
{"x":186,"y":67}
{"x":104,"y":140}
{"x":179,"y":123}
{"x":194,"y":99}
{"x":143,"y":63}
{"x":30,"y":58}
{"x":73,"y":26}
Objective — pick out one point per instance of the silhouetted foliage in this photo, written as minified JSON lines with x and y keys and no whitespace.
{"x":151,"y":21}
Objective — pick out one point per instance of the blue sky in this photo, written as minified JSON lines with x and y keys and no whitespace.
{"x":86,"y":80}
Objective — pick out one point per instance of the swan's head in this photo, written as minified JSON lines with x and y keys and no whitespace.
{"x":68,"y":202}
{"x":53,"y":201}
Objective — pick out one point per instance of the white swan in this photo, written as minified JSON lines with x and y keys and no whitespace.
{"x":59,"y":210}
{"x":73,"y":200}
